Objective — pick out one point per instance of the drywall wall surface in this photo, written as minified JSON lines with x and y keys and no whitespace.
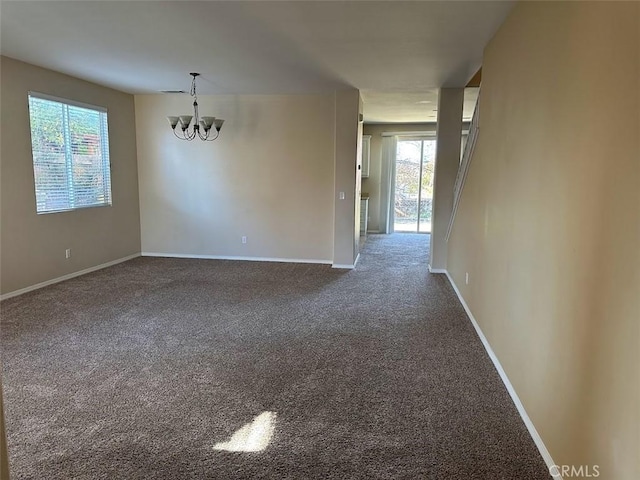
{"x":268,"y":177}
{"x":448,"y":144}
{"x":371,"y":185}
{"x":548,"y":226}
{"x":348,"y":135}
{"x":358,"y":178}
{"x":33,"y":246}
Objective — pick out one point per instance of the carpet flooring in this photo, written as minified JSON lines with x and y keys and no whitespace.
{"x":151,"y":368}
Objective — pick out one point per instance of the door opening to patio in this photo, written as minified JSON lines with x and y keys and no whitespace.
{"x":415,"y":162}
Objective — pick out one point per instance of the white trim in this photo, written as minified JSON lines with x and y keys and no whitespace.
{"x":346,"y":266}
{"x":373,"y":231}
{"x":233,"y":257}
{"x":437,"y":270}
{"x":425,"y":133}
{"x":389,"y":152}
{"x":503,"y":375}
{"x":343,"y":266}
{"x":421,"y":133}
{"x":67,"y":101}
{"x":69,"y":276}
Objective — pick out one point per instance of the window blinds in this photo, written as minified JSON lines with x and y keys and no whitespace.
{"x":70,"y":146}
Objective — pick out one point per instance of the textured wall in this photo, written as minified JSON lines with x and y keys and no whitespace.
{"x":549,"y":225}
{"x":347,"y":177}
{"x":448,"y":144}
{"x":268,"y":177}
{"x":33,"y":246}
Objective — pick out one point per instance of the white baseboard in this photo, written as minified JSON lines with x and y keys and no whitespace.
{"x":239,"y":258}
{"x":343,"y":266}
{"x":437,"y":270}
{"x":346,"y":266}
{"x":69,"y":276}
{"x":373,"y":231}
{"x":503,"y":375}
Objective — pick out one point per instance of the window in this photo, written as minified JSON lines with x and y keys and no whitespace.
{"x":70,"y":147}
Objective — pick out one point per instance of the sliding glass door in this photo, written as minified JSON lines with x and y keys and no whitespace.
{"x":415,"y":162}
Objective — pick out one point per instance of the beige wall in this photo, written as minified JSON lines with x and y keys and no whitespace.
{"x":33,"y":246}
{"x":448,"y":143}
{"x":268,"y":177}
{"x":348,"y":138}
{"x":371,"y":185}
{"x":549,"y":225}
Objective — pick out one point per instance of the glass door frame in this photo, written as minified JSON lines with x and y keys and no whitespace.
{"x":415,"y":137}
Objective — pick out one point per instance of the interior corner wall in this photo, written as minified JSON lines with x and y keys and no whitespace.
{"x":348,"y":135}
{"x":548,"y":226}
{"x":33,"y":246}
{"x":268,"y":177}
{"x":358,"y":175}
{"x":371,"y":184}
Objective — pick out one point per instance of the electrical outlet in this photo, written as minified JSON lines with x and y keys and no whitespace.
{"x":466,"y":278}
{"x":244,"y":239}
{"x":67,"y":253}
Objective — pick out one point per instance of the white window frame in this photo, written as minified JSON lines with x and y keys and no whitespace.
{"x":104,"y":149}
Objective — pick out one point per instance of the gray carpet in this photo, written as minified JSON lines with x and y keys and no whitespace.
{"x":138,"y":370}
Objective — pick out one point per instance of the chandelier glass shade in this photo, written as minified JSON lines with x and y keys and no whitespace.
{"x":202,"y":127}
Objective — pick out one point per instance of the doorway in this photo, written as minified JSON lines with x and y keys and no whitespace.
{"x":415,"y":164}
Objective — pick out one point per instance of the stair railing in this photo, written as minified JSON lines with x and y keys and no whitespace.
{"x":463,"y":169}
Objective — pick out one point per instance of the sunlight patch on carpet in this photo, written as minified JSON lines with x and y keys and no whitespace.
{"x":252,"y":437}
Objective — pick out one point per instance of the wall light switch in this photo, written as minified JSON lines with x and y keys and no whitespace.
{"x":341,"y":196}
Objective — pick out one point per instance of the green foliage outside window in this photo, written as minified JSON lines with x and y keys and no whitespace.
{"x":70,"y":155}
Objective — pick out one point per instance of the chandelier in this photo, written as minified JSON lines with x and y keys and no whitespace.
{"x":201,"y":127}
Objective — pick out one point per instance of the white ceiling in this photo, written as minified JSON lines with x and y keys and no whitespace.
{"x":397,"y":53}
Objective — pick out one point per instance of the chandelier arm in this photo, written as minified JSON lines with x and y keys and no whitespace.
{"x":178,"y":136}
{"x":214,"y":138}
{"x":203,"y":137}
